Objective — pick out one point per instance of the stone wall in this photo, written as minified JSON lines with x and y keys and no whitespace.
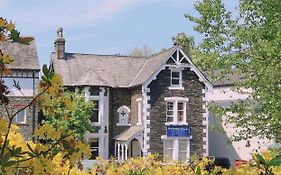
{"x":17,"y":103}
{"x":159,"y":89}
{"x":117,"y":98}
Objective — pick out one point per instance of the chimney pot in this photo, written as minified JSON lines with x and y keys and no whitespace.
{"x":60,"y":44}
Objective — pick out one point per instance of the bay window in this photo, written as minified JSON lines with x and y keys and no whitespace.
{"x":176,"y":149}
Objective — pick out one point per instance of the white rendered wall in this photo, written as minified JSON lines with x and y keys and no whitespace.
{"x":218,"y":141}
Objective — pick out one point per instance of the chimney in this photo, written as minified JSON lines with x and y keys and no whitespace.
{"x":59,"y":44}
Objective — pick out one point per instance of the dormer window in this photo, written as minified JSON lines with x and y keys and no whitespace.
{"x":176,"y":79}
{"x":124,"y":112}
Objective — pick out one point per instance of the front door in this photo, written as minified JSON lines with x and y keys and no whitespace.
{"x":135,"y":149}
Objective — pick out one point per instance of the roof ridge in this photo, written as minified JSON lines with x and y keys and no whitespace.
{"x":162,"y":51}
{"x":138,"y":72}
{"x":114,"y":55}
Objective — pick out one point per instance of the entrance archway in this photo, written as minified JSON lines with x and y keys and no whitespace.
{"x":135,"y":149}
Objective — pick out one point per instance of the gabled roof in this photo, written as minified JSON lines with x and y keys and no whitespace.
{"x":25,"y":56}
{"x":97,"y":70}
{"x":112,"y":70}
{"x":129,"y":133}
{"x":151,"y":65}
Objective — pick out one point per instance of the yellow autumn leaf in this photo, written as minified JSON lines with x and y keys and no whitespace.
{"x":10,"y":26}
{"x":2,"y":38}
{"x":6,"y":59}
{"x":3,"y":126}
{"x":2,"y":22}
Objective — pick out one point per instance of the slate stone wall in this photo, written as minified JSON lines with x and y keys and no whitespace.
{"x":159,"y":89}
{"x":117,"y":98}
{"x":17,"y":103}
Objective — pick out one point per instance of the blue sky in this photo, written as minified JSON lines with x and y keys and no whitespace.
{"x":101,"y":26}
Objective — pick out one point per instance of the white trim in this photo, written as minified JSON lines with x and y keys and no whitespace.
{"x":206,"y":130}
{"x":175,"y":98}
{"x":175,"y":145}
{"x":145,"y":116}
{"x":120,"y":124}
{"x":24,"y":117}
{"x":125,"y":117}
{"x":175,"y":101}
{"x":192,"y":67}
{"x":175,"y":86}
{"x":139,"y":103}
{"x":197,"y":71}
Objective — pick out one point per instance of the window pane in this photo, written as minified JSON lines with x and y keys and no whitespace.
{"x":175,"y":74}
{"x":170,"y":119}
{"x":170,"y":105}
{"x":175,"y":81}
{"x":168,"y":149}
{"x":182,"y":156}
{"x":95,"y":115}
{"x":20,"y":117}
{"x":180,"y":106}
{"x":182,"y":150}
{"x":94,"y":147}
{"x":169,"y":113}
{"x":96,"y":104}
{"x":182,"y":146}
{"x":169,"y":144}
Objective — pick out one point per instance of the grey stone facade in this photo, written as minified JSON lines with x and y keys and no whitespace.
{"x":117,"y":98}
{"x":159,"y":89}
{"x":17,"y":103}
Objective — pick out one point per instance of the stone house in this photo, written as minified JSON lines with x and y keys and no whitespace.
{"x":143,"y":105}
{"x":25,"y":70}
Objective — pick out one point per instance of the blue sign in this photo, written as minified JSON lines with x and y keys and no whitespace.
{"x":178,"y":131}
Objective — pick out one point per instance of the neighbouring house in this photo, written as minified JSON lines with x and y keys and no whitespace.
{"x":25,"y":70}
{"x":223,"y":94}
{"x":142,"y":105}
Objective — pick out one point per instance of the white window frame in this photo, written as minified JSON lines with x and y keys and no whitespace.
{"x":176,"y":145}
{"x":24,"y":119}
{"x":127,"y":114}
{"x":176,"y":86}
{"x":98,"y":109}
{"x":139,"y":103}
{"x":98,"y":147}
{"x":175,"y":101}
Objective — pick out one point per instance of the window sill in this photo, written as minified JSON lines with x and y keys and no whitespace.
{"x":176,"y":88}
{"x":174,"y":123}
{"x":120,"y":124}
{"x":96,"y":123}
{"x":22,"y":124}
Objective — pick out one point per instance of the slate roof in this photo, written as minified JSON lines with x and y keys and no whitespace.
{"x":25,"y":56}
{"x":227,"y":80}
{"x":106,"y":70}
{"x":129,"y":133}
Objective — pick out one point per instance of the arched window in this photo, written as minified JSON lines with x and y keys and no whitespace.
{"x":124,"y":112}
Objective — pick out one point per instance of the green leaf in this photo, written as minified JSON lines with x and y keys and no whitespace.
{"x":45,"y":70}
{"x":9,"y":164}
{"x":29,"y":148}
{"x":15,"y":35}
{"x":198,"y":170}
{"x":5,"y":158}
{"x":17,"y":151}
{"x":260,"y":158}
{"x":46,"y":80}
{"x":276,"y":161}
{"x":25,"y":40}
